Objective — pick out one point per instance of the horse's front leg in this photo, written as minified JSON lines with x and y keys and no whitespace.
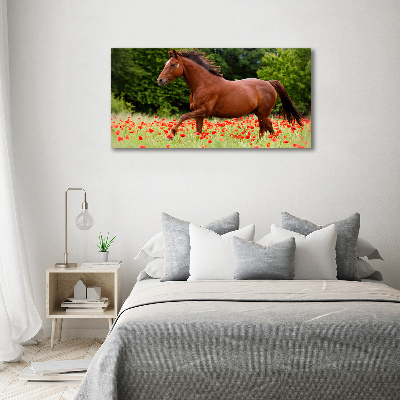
{"x":199,"y":113}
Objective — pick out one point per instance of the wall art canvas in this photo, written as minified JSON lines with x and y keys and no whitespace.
{"x":211,"y":98}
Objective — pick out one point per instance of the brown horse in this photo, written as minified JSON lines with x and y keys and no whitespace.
{"x":212,"y":95}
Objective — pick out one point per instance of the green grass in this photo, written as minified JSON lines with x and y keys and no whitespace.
{"x":134,"y":131}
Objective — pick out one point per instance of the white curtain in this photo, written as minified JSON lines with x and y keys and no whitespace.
{"x":19,"y":319}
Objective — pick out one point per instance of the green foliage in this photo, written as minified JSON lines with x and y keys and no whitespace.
{"x":236,"y":63}
{"x":134,"y":72}
{"x":119,"y":105}
{"x":292,"y":67}
{"x":104,"y":243}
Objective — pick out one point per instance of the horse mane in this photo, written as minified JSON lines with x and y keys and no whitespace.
{"x":202,"y":60}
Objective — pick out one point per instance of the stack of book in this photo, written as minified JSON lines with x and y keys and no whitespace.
{"x":64,"y":370}
{"x":72,"y":305}
{"x":91,"y":264}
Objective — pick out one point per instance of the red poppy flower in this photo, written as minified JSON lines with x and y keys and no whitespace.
{"x":142,"y":147}
{"x":183,"y":135}
{"x":140,"y":138}
{"x":210,"y":141}
{"x":286,"y":141}
{"x":120,"y":138}
{"x":151,"y":130}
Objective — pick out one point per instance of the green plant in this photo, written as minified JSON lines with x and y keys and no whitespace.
{"x":118,"y":104}
{"x":292,"y":68}
{"x":104,"y":242}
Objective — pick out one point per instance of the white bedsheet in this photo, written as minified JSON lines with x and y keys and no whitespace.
{"x":145,"y":283}
{"x":149,"y":282}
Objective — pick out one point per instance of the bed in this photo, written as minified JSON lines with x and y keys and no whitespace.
{"x":251,"y":338}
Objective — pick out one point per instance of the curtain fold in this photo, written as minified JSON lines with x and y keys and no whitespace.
{"x":19,"y":319}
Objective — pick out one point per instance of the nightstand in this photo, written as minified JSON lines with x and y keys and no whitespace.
{"x":60,"y":284}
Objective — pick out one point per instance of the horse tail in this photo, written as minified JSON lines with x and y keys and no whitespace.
{"x":289,"y":110}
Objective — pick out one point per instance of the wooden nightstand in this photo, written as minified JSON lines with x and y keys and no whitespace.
{"x":60,"y":284}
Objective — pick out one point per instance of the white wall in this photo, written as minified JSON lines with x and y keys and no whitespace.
{"x":60,"y":91}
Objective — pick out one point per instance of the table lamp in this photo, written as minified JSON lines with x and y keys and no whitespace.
{"x":83,"y":221}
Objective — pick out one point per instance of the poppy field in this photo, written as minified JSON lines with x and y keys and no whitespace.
{"x":142,"y":131}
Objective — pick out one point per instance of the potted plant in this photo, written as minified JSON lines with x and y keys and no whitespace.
{"x":103,"y":245}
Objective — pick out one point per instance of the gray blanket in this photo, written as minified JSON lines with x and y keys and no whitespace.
{"x":252,"y":340}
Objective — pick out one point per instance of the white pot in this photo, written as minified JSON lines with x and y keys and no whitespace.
{"x":103,"y":256}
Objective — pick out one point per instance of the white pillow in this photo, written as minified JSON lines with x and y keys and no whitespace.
{"x":365,"y":269}
{"x":211,"y":255}
{"x":366,"y":249}
{"x":155,"y":268}
{"x":152,"y":249}
{"x":266,"y":240}
{"x":315,"y":253}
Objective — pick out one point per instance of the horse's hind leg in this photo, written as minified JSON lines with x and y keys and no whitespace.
{"x":270,"y":128}
{"x":199,"y":124}
{"x":264,"y":123}
{"x":261,"y":124}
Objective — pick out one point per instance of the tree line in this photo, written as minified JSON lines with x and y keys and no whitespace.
{"x":134,"y":73}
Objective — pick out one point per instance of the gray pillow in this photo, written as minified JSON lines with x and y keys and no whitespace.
{"x":253,"y":261}
{"x":177,"y":243}
{"x":346,"y":244}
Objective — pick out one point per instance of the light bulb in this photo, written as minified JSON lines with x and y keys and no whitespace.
{"x":84,"y":220}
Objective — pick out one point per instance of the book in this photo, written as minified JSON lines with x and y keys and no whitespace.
{"x":85,"y":301}
{"x":91,"y":304}
{"x":60,"y":366}
{"x":84,"y":310}
{"x":101,"y":264}
{"x":28,"y":374}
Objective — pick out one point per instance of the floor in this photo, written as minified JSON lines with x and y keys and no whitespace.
{"x":68,"y":349}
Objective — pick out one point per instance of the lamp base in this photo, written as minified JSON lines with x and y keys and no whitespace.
{"x":69,"y":265}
